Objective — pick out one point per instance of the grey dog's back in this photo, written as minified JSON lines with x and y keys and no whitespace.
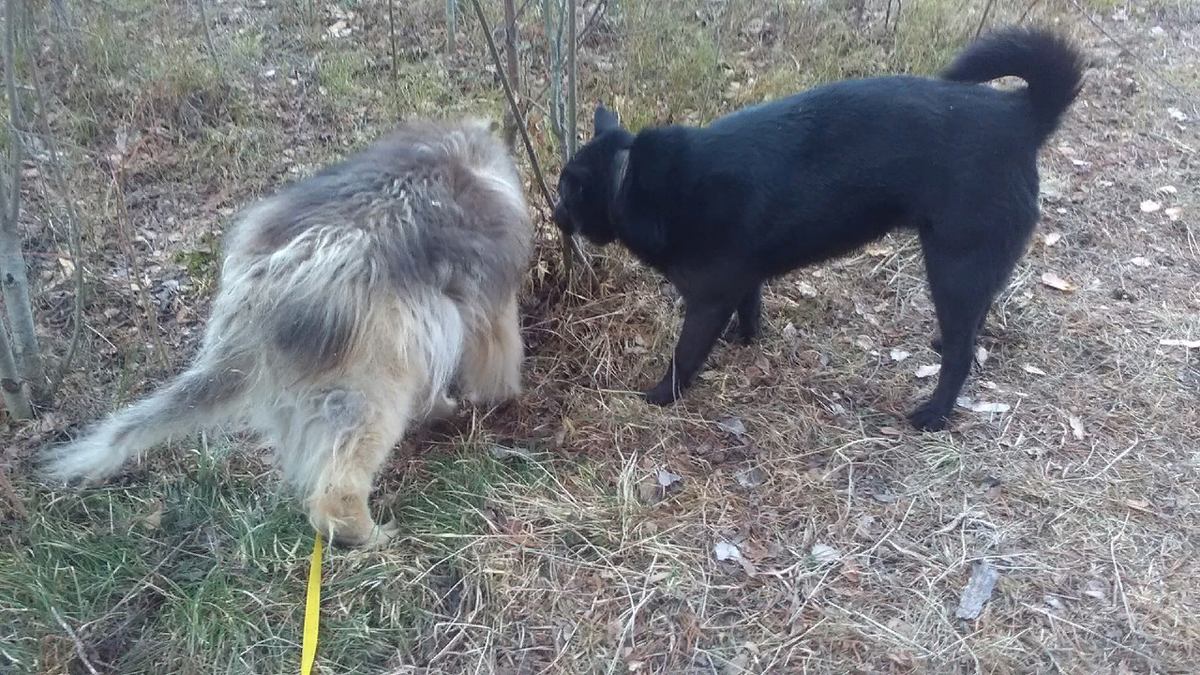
{"x":429,"y":209}
{"x":401,"y":247}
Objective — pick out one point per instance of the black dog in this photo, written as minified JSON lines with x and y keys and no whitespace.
{"x":774,"y":187}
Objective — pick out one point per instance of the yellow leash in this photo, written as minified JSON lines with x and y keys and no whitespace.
{"x":312,"y":610}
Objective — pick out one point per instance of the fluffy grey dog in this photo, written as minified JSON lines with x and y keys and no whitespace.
{"x":349,"y":302}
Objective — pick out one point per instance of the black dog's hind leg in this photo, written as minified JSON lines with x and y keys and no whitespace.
{"x":702,"y":325}
{"x":963,"y":286}
{"x":936,"y":343}
{"x":749,"y":314}
{"x":749,"y":318}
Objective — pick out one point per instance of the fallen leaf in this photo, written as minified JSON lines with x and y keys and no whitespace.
{"x":750,"y":478}
{"x":877,"y":250}
{"x":501,"y":452}
{"x":1076,"y":427}
{"x":823,"y":553}
{"x":806,"y":289}
{"x":667,"y":479}
{"x":1186,"y":344}
{"x":990,"y":407}
{"x":1096,"y":589}
{"x":1140,"y":261}
{"x":979,"y":589}
{"x":338,"y":30}
{"x":1173,"y":212}
{"x":1167,"y":190}
{"x":981,"y":355}
{"x":1177,"y":114}
{"x":734,"y":426}
{"x":929,"y":370}
{"x":1150,"y":206}
{"x":1032,"y":369}
{"x":726,"y":551}
{"x":790,"y":333}
{"x":899,"y":354}
{"x":153,"y":520}
{"x":1139,"y":504}
{"x":1054,"y":281}
{"x":1052,"y":239}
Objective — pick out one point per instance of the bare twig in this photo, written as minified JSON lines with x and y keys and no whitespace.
{"x":74,"y":225}
{"x":987,"y":9}
{"x":212,"y":49}
{"x":570,"y":247}
{"x":556,"y":78}
{"x":451,"y":15}
{"x":16,"y":396}
{"x":1028,"y":9}
{"x":13,"y":275}
{"x":593,"y":21}
{"x":392,"y":37}
{"x":80,"y":650}
{"x":572,"y":126}
{"x":126,"y":229}
{"x":510,"y":47}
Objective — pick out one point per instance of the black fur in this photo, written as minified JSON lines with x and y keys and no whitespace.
{"x":771,"y":188}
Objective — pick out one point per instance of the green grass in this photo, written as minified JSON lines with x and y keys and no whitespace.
{"x":206,"y":572}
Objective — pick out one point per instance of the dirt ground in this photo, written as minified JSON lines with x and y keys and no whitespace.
{"x":782,"y":518}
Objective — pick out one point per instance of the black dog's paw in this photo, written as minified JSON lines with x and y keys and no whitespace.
{"x":929,"y":417}
{"x":731,"y":333}
{"x":735,"y":333}
{"x":661,"y":395}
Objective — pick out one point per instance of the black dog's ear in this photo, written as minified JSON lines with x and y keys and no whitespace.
{"x":605,"y":120}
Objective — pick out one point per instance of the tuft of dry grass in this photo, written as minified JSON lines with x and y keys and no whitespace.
{"x":577,"y":530}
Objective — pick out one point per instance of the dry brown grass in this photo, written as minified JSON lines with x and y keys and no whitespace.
{"x":538,"y":537}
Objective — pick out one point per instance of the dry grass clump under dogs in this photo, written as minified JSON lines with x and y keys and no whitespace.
{"x":579,"y":530}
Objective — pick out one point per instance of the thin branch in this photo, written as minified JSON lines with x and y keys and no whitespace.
{"x":593,"y":21}
{"x":395,"y":55}
{"x":570,"y":247}
{"x":126,"y":228}
{"x":1028,"y":9}
{"x":987,"y":9}
{"x":15,"y":393}
{"x":80,"y":650}
{"x":13,"y":274}
{"x":451,"y":12}
{"x":554,"y":38}
{"x":16,"y":396}
{"x":212,"y":49}
{"x":74,"y":227}
{"x":510,"y":47}
{"x":572,"y":47}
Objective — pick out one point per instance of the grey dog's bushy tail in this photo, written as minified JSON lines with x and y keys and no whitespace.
{"x":1049,"y":64}
{"x":203,"y":395}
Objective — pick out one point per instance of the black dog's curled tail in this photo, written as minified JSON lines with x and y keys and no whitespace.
{"x":1048,"y":63}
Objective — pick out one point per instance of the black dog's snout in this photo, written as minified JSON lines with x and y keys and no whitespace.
{"x":563,"y":219}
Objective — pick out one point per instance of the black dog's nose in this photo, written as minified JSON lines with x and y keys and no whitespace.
{"x":562,"y":219}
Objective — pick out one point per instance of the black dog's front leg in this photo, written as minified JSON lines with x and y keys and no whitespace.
{"x":702,"y":324}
